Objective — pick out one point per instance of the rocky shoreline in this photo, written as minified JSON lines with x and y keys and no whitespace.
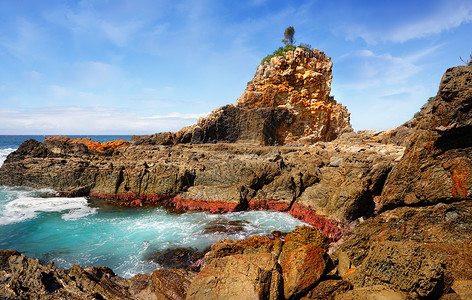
{"x":392,"y":210}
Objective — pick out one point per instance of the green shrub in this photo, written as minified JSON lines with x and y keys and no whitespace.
{"x":282,"y":50}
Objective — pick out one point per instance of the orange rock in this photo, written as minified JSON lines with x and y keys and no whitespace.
{"x":302,"y":268}
{"x":89,"y":143}
{"x":299,"y":81}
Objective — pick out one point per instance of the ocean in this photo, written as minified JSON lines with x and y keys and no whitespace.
{"x":91,"y":232}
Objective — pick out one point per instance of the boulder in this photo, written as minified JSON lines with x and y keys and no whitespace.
{"x":252,"y":245}
{"x":302,"y":268}
{"x":302,"y":236}
{"x":240,"y":276}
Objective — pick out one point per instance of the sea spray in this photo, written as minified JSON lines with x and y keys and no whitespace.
{"x":91,"y":232}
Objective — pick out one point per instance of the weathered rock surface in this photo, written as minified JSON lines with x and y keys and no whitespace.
{"x":437,"y":165}
{"x":172,"y":284}
{"x":328,"y":289}
{"x":327,"y":184}
{"x":287,"y":102}
{"x":404,"y":266}
{"x":252,"y":245}
{"x":412,"y":248}
{"x":240,"y":276}
{"x":377,"y":292}
{"x":302,"y":269}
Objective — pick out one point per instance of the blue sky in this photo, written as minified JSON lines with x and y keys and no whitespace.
{"x":145,"y":66}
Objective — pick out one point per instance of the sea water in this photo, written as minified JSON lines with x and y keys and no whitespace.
{"x":91,"y":232}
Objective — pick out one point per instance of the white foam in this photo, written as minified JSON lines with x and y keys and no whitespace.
{"x":25,"y":208}
{"x":4,"y":153}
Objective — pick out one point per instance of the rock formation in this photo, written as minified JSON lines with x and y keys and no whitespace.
{"x":437,"y":164}
{"x":287,"y":102}
{"x":328,"y":185}
{"x":397,"y":220}
{"x":300,"y":81}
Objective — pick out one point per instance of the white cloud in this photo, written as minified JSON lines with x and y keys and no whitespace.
{"x":448,"y":16}
{"x":412,"y":23}
{"x":365,"y":69}
{"x":89,"y":120}
{"x":119,"y":22}
{"x":382,"y":90}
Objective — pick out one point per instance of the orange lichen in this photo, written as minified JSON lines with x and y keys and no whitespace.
{"x":89,"y":143}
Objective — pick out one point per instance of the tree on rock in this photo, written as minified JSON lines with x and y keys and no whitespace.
{"x":288,"y":36}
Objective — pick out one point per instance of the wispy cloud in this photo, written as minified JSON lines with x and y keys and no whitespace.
{"x":381,"y":90}
{"x":413,"y":21}
{"x":365,"y":69}
{"x":450,"y":14}
{"x":87,"y":120}
{"x":118,"y":24}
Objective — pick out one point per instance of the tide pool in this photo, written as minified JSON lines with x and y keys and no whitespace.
{"x":91,"y":232}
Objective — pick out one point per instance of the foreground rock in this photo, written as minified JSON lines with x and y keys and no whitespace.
{"x":423,"y":251}
{"x":248,"y":276}
{"x":25,"y":278}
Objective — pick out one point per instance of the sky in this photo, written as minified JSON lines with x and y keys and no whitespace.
{"x":146,"y":66}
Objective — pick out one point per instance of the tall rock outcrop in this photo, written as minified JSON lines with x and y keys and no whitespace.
{"x":437,"y":165}
{"x":287,"y":102}
{"x":300,"y":81}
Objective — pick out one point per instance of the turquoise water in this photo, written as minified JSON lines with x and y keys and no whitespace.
{"x":90,"y":232}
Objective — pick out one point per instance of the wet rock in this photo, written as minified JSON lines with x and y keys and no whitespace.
{"x":242,"y":276}
{"x":175,"y":258}
{"x":227,"y":227}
